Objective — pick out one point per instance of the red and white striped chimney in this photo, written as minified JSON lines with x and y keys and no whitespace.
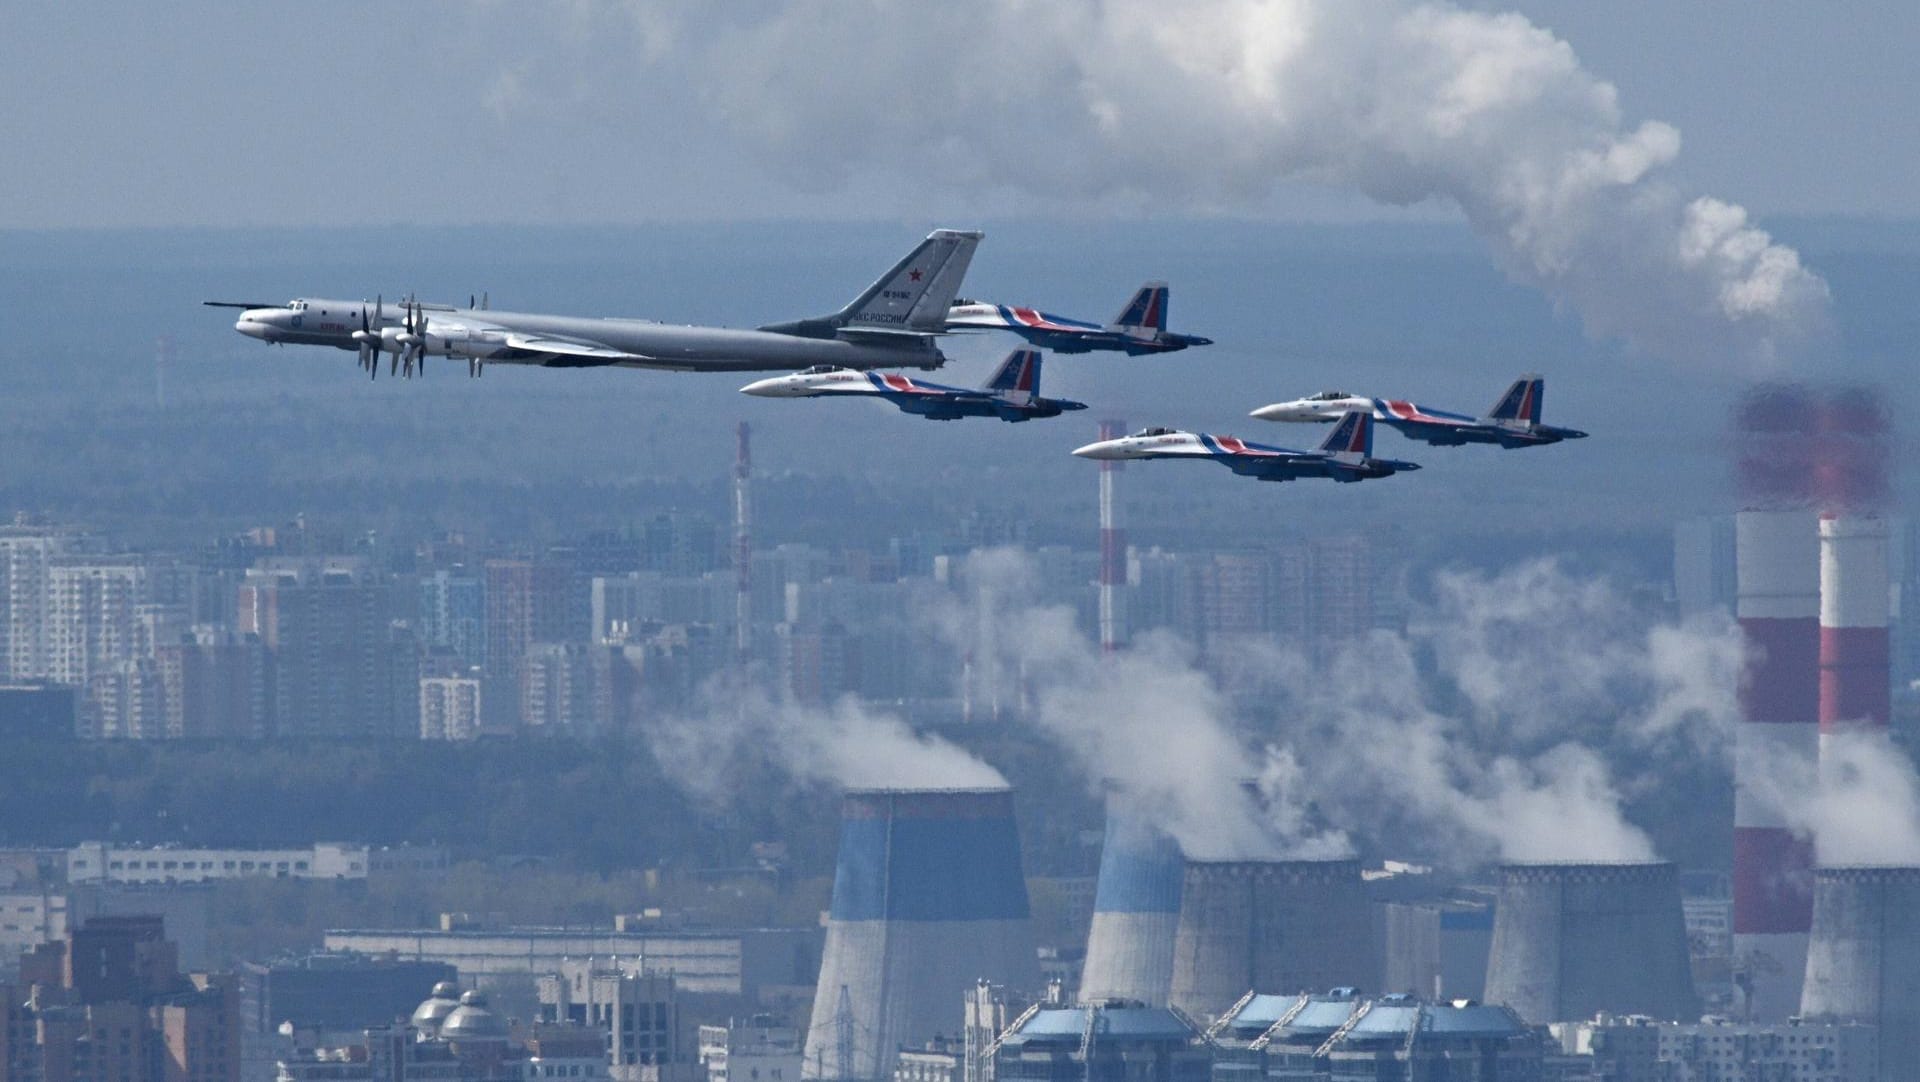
{"x":1855,"y":683}
{"x":1113,"y":549}
{"x":1850,"y":481}
{"x":1778,"y":605}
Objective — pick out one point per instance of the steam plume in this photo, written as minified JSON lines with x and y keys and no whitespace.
{"x":739,"y":732}
{"x":1203,"y":104}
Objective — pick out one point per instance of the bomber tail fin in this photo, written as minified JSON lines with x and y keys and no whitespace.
{"x":915,"y":295}
{"x":1521,"y":402}
{"x":1018,"y":377}
{"x":1146,"y":311}
{"x":1352,"y":437}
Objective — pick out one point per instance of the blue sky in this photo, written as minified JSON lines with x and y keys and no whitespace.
{"x":215,"y":113}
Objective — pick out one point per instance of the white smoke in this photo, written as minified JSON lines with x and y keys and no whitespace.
{"x":1860,"y":802}
{"x":738,"y":732}
{"x":1490,"y":729}
{"x":1204,"y":104}
{"x":1148,"y":723}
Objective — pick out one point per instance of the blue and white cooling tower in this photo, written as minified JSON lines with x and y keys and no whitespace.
{"x":1136,"y":912}
{"x":928,"y":899}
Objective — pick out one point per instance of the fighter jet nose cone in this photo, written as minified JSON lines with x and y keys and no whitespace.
{"x":1265,"y":413}
{"x":761,"y":388}
{"x":1094,"y":450}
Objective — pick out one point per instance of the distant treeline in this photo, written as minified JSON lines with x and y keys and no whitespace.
{"x":602,"y":806}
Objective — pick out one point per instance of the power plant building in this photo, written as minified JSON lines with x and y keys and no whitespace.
{"x":1573,"y":940}
{"x":1341,"y":1035}
{"x":928,"y":900}
{"x":1101,"y":1042}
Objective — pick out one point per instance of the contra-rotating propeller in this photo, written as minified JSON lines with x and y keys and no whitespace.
{"x":367,"y":339}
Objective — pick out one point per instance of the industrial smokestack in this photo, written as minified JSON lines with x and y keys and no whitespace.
{"x":743,"y":548}
{"x":1778,"y":605}
{"x":1855,"y":685}
{"x":1113,"y":549}
{"x":1272,"y":926}
{"x":928,"y":899}
{"x":1571,"y":940}
{"x":1855,"y":682}
{"x":1136,"y":912}
{"x":1864,"y":961}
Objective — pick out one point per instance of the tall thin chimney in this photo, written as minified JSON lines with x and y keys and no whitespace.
{"x":1113,"y":549}
{"x":1851,"y":487}
{"x":743,"y":549}
{"x":1778,"y":605}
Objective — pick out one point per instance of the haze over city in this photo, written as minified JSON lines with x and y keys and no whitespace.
{"x":591,"y":718}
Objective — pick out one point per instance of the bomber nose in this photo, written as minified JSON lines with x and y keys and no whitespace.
{"x":255,"y":323}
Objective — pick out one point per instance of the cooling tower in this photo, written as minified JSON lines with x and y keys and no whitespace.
{"x":1136,"y":912}
{"x":1777,"y":562}
{"x":1571,"y":940}
{"x":1280,"y":926}
{"x":1863,"y":964}
{"x":928,"y":899}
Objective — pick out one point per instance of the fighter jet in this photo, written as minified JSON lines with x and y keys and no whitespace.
{"x":1514,"y":420}
{"x":1346,"y":454}
{"x":1011,"y":394}
{"x":891,"y":324}
{"x":1141,"y":327}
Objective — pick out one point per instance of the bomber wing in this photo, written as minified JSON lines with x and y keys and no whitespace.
{"x":572,"y":347}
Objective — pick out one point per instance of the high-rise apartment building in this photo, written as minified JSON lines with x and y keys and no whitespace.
{"x":325,"y":622}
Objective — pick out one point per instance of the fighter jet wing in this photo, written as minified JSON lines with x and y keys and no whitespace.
{"x":571,"y":347}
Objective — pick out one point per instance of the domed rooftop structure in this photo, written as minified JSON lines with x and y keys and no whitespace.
{"x":433,"y":1010}
{"x":472,"y":1021}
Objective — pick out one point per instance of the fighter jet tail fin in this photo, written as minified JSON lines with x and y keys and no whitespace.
{"x":1521,"y":402}
{"x":915,"y":295}
{"x":1147,"y":311}
{"x":1352,"y":437}
{"x":1018,"y":377}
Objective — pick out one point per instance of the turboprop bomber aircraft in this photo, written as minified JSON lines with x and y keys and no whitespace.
{"x":892,"y":324}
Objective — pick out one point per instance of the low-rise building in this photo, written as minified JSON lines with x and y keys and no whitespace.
{"x":1718,"y":1050}
{"x":637,"y":1011}
{"x":735,"y":963}
{"x":105,"y":862}
{"x":762,"y":1048}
